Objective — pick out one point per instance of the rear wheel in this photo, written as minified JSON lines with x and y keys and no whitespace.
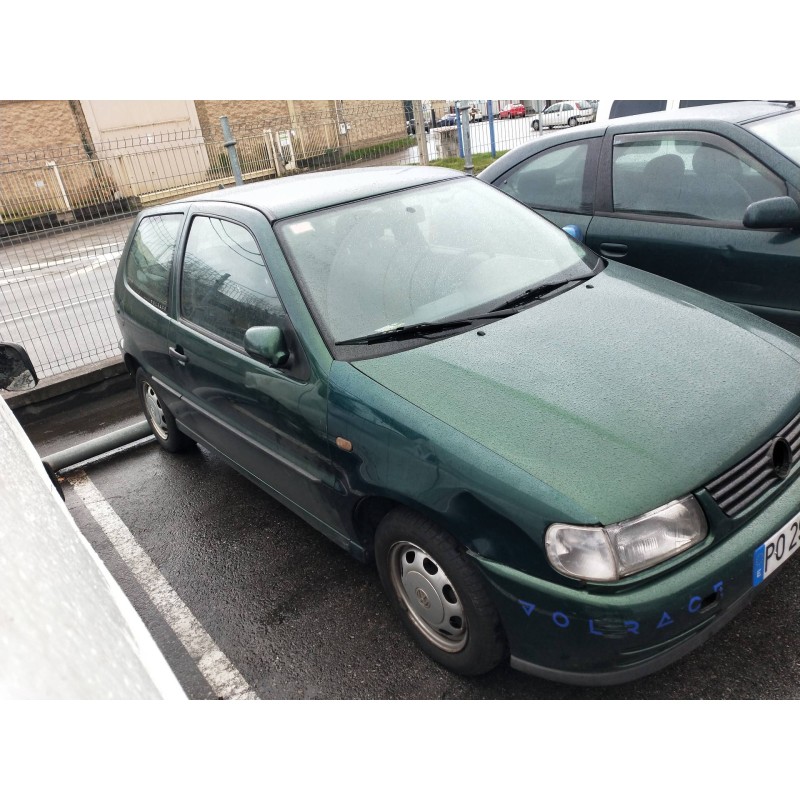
{"x":438,"y":594}
{"x":162,"y":423}
{"x":572,"y":122}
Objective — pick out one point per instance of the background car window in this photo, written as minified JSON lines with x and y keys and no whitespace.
{"x":552,"y":180}
{"x":681,"y":176}
{"x":629,"y":108}
{"x":149,"y":262}
{"x":695,"y":103}
{"x":225,"y":286}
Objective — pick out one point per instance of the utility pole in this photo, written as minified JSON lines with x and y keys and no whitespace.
{"x":230,"y":146}
{"x":419,"y":128}
{"x":463,"y":112}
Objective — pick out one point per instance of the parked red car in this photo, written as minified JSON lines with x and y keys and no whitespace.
{"x":512,"y":110}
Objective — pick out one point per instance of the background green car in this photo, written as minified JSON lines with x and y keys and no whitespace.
{"x":706,"y":196}
{"x":549,"y":456}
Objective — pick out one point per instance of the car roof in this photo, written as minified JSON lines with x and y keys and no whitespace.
{"x":736,"y":112}
{"x":279,"y":198}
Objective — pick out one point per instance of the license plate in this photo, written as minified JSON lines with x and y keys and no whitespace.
{"x":776,"y":550}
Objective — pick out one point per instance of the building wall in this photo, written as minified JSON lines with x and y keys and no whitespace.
{"x":30,"y":125}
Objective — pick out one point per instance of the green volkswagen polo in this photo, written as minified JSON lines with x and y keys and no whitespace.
{"x":551,"y":457}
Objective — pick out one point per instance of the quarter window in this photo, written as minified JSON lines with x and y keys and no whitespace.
{"x":552,"y":180}
{"x":149,"y":264}
{"x":690,"y":176}
{"x":225,"y":286}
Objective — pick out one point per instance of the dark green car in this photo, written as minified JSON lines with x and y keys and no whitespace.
{"x":550,"y":456}
{"x":707,"y":196}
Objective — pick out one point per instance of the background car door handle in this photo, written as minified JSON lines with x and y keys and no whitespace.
{"x":613,"y":250}
{"x":178,"y":356}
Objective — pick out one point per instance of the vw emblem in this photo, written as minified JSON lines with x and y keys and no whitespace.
{"x":423,"y":598}
{"x":781,"y":455}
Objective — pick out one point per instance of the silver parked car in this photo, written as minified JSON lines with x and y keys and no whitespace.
{"x":566,"y":112}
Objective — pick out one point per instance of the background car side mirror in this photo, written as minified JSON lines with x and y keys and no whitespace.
{"x":267,"y":343}
{"x":16,"y":370}
{"x":574,"y":231}
{"x":774,"y":212}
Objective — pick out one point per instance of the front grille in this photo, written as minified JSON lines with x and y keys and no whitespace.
{"x":743,"y":484}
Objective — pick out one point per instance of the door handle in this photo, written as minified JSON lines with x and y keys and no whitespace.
{"x":180,"y":357}
{"x":613,"y":250}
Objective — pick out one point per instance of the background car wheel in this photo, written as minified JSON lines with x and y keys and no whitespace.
{"x":158,"y":415}
{"x":535,"y":124}
{"x":439,"y":596}
{"x":572,"y":122}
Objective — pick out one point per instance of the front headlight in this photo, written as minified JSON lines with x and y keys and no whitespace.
{"x":612,"y":552}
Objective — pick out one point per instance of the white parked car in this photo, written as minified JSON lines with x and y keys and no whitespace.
{"x":67,"y":629}
{"x":565,"y":112}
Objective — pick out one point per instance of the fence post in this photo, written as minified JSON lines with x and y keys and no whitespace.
{"x":490,"y":112}
{"x":230,"y":146}
{"x":466,"y":144}
{"x":419,"y":127}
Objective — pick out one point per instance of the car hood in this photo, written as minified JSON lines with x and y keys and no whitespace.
{"x":621,"y":397}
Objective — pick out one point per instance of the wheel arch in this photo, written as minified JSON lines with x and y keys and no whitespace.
{"x":476,"y":526}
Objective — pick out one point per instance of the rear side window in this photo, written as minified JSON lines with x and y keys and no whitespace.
{"x":629,"y":108}
{"x":149,"y":263}
{"x":225,"y":286}
{"x":553,"y":179}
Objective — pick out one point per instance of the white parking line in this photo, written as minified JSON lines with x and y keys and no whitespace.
{"x":58,"y":307}
{"x":39,"y":265}
{"x":215,"y":667}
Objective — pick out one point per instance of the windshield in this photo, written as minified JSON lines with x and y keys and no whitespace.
{"x":425,"y":254}
{"x":781,"y":131}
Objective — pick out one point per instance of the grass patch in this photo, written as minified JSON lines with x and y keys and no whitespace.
{"x":382,"y":149}
{"x":479,"y":161}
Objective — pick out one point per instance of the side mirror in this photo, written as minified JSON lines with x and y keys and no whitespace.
{"x":268,"y":344}
{"x":574,"y":231}
{"x":16,"y":370}
{"x":774,"y":212}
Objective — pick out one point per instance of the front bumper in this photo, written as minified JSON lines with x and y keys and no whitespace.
{"x":606,"y":635}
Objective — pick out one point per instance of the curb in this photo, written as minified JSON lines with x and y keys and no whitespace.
{"x":68,"y":389}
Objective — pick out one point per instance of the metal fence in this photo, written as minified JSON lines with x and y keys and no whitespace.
{"x":65,"y":211}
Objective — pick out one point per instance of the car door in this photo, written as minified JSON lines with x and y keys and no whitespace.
{"x":558,"y":182}
{"x":550,"y":116}
{"x":672,"y":202}
{"x":269,"y":422}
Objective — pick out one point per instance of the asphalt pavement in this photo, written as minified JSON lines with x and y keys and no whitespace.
{"x":295,"y":616}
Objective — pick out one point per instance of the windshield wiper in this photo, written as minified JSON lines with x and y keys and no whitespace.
{"x":534,"y":293}
{"x":409,"y":331}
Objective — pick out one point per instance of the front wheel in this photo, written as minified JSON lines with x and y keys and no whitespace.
{"x":438,"y":594}
{"x":535,"y":124}
{"x":162,"y":423}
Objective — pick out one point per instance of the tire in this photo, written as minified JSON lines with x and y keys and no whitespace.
{"x":535,"y":124}
{"x":438,"y":594}
{"x":572,"y":122}
{"x":162,"y":423}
